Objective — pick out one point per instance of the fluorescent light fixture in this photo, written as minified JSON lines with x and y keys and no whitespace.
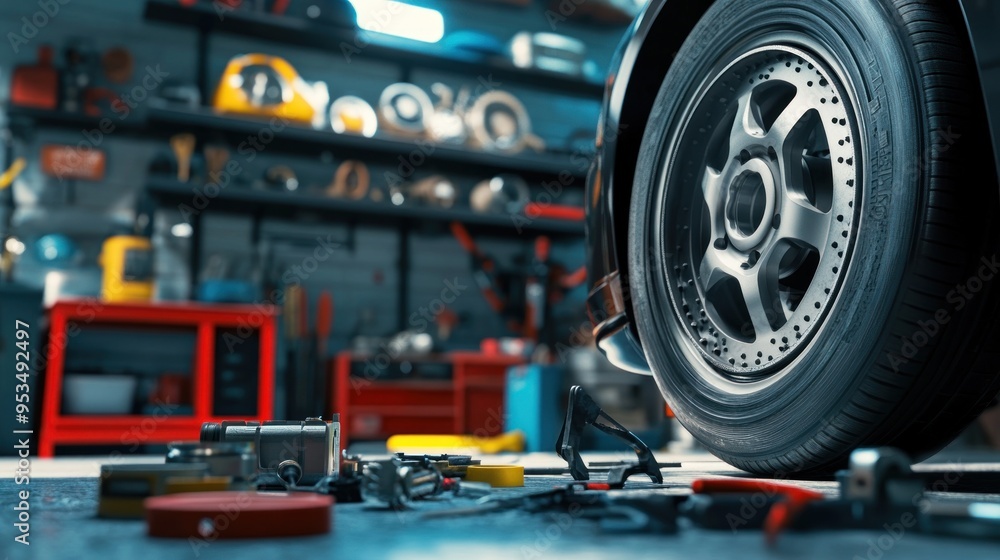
{"x":400,"y":19}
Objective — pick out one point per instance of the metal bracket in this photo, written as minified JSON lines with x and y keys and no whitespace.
{"x":583,"y":411}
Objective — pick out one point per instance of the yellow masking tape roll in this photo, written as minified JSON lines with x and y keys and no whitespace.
{"x":497,"y":476}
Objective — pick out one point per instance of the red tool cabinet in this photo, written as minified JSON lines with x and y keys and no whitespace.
{"x":471,"y":401}
{"x":66,"y":317}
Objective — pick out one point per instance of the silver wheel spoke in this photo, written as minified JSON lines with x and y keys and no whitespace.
{"x":803,"y":224}
{"x":747,"y":127}
{"x":713,"y":269}
{"x":759,"y":305}
{"x":788,"y":121}
{"x":714,"y":191}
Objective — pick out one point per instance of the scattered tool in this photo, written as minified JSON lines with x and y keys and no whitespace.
{"x":785,"y":501}
{"x":182,"y":485}
{"x":497,"y":476}
{"x":879,"y":490}
{"x":236,"y":460}
{"x":183,"y":147}
{"x":288,"y":453}
{"x":123,"y":487}
{"x":583,"y":411}
{"x":620,"y":513}
{"x":511,"y":442}
{"x":393,"y":484}
{"x":238,"y":515}
{"x":452,"y":466}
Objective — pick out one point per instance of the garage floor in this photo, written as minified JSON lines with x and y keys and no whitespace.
{"x":63,"y":525}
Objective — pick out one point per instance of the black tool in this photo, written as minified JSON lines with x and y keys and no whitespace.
{"x":583,"y":411}
{"x":615,"y":513}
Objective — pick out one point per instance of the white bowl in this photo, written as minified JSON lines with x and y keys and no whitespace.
{"x":98,"y":394}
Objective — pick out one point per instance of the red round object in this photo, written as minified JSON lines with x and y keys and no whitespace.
{"x":238,"y":515}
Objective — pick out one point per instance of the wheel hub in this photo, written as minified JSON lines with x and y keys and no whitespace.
{"x":750,"y":203}
{"x":761,"y":208}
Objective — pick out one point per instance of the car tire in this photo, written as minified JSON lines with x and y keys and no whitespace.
{"x":812,"y":250}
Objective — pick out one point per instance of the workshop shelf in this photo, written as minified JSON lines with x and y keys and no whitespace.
{"x":234,"y":199}
{"x":298,"y":138}
{"x":67,"y":317}
{"x":408,"y":55}
{"x":470,"y":402}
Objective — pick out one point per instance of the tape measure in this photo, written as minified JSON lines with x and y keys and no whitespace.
{"x":497,"y":476}
{"x":238,"y":515}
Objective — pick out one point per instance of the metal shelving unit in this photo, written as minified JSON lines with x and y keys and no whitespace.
{"x":408,"y":56}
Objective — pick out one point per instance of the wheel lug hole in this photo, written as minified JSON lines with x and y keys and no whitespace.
{"x":776,"y":222}
{"x":721,"y":244}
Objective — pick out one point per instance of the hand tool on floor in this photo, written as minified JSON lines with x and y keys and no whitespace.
{"x":452,"y":466}
{"x":785,"y":501}
{"x":393,"y":484}
{"x":583,"y":411}
{"x":236,"y":460}
{"x":289,"y":453}
{"x":183,"y":147}
{"x":878,"y":491}
{"x":619,"y":512}
{"x":511,"y":442}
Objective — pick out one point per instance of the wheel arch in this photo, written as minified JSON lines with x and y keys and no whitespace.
{"x":637,"y":73}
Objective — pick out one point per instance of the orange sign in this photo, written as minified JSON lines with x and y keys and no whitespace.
{"x":69,"y":162}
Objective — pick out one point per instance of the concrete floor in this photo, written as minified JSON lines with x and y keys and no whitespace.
{"x":63,"y":525}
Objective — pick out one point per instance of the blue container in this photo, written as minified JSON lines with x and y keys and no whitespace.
{"x":534,"y":404}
